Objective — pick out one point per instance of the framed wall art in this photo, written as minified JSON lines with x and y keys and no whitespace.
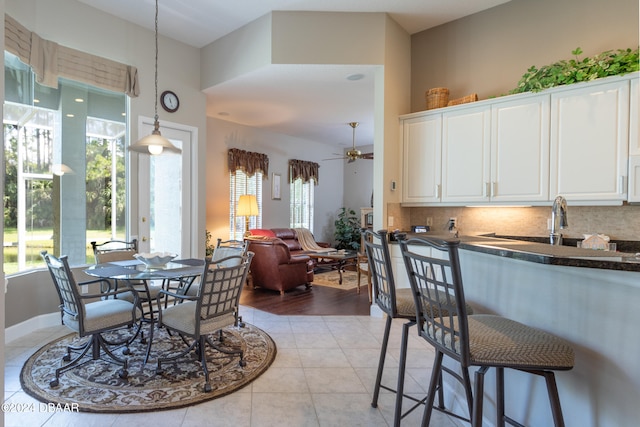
{"x":275,"y":186}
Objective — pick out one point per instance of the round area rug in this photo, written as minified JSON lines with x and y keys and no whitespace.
{"x":96,"y":386}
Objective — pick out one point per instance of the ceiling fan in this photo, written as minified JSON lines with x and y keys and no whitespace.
{"x":354,"y":154}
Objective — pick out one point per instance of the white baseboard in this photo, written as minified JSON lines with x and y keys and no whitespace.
{"x":23,"y":328}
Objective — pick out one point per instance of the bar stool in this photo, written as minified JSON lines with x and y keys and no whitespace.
{"x":396,"y":304}
{"x":482,"y":340}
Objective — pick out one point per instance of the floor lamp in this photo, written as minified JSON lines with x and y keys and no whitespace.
{"x":247,"y":207}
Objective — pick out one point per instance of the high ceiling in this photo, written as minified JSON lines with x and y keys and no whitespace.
{"x":311,"y":102}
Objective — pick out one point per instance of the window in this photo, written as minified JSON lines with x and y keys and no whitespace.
{"x":64,"y":168}
{"x":303,"y":176}
{"x":301,"y":215}
{"x":241,"y":184}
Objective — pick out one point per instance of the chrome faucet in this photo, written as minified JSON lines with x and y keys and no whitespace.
{"x":558,"y":220}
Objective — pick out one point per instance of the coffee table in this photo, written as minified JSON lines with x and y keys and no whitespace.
{"x":336,"y":260}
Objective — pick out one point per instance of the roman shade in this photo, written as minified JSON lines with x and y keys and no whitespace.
{"x":50,"y":61}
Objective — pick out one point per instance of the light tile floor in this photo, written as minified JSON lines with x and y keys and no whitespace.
{"x":323,"y":375}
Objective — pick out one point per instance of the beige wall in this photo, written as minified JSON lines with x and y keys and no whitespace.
{"x":487,"y":53}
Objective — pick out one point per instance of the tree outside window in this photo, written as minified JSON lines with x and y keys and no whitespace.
{"x":64,"y":168}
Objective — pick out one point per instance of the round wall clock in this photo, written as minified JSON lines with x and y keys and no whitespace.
{"x":169,"y":101}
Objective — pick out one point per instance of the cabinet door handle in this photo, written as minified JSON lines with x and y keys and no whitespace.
{"x":493,"y":188}
{"x":487,"y":189}
{"x":437,"y":191}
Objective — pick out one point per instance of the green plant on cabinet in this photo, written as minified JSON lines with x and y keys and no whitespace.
{"x":564,"y":72}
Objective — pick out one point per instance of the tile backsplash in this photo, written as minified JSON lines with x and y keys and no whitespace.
{"x":618,"y":222}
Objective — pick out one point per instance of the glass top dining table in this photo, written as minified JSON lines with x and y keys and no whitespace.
{"x":137,"y":270}
{"x":184,"y":271}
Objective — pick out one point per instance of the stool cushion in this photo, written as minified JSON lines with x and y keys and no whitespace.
{"x":498,"y":341}
{"x":405,"y":305}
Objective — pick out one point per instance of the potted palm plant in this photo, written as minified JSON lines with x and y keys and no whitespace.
{"x":347,"y":230}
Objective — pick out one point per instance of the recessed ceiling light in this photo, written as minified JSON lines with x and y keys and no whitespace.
{"x":353,"y":77}
{"x":70,"y":115}
{"x":79,"y":100}
{"x":36,"y":100}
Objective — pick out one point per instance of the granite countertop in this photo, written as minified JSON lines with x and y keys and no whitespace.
{"x":528,"y":249}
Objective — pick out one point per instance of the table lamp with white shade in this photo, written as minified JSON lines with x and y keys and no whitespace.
{"x":247,"y":207}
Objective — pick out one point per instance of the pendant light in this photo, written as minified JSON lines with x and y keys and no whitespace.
{"x":155,"y":143}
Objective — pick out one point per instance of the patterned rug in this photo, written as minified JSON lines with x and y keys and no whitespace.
{"x":96,"y":386}
{"x":331,"y":279}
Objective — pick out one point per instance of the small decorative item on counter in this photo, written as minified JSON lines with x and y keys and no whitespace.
{"x":464,"y":100}
{"x":437,"y":97}
{"x":597,"y":241}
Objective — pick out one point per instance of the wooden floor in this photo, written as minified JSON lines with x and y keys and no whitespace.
{"x":317,"y":300}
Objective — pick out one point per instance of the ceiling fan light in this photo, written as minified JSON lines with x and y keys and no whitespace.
{"x":353,"y":154}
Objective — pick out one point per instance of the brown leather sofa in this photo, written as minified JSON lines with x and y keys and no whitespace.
{"x":287,"y":235}
{"x":275,"y":267}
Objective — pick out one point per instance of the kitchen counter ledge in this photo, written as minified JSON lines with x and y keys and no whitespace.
{"x":544,"y":253}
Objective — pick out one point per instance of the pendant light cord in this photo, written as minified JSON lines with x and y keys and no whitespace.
{"x":156,"y":64}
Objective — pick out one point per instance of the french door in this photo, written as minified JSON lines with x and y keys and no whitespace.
{"x":164,"y":193}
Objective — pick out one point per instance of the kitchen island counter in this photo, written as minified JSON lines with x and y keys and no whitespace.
{"x":544,"y":253}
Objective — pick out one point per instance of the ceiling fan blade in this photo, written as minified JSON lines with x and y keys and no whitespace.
{"x":335,"y":158}
{"x":368,"y":156}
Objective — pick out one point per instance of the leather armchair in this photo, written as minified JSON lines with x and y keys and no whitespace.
{"x":273,"y":267}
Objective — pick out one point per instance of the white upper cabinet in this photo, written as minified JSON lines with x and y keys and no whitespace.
{"x":634,"y":179}
{"x":634,"y":143}
{"x":589,"y":142}
{"x":579,"y":141}
{"x":466,"y":143}
{"x":520,"y":150}
{"x":422,"y":143}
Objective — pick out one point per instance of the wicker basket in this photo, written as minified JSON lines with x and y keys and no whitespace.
{"x":469,"y":98}
{"x":437,"y":97}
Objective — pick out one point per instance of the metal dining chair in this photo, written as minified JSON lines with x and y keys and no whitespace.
{"x":203,"y":316}
{"x":120,"y":250}
{"x":90,"y":316}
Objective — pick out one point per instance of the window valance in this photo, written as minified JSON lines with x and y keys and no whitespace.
{"x":302,"y":169}
{"x":50,"y":61}
{"x":248,"y":162}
